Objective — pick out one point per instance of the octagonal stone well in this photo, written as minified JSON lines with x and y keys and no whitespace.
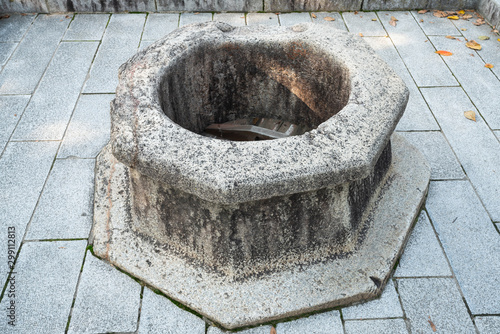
{"x":249,"y":232}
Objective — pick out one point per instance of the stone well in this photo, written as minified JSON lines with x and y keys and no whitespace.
{"x":249,"y":232}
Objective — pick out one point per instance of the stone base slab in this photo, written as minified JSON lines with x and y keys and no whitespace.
{"x":232,"y":304}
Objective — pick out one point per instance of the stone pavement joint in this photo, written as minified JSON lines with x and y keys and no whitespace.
{"x":50,"y":132}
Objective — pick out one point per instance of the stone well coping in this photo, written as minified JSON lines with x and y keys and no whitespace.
{"x":343,"y":148}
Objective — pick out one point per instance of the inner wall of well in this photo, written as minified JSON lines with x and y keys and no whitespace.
{"x":217,"y":83}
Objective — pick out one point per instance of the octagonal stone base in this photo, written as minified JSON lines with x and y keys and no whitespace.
{"x":344,"y":280}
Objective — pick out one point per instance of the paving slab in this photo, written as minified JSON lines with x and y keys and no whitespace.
{"x":474,"y":143}
{"x":386,"y":306}
{"x":12,"y":108}
{"x":290,"y":19}
{"x":159,"y":25}
{"x":497,"y":133}
{"x":107,"y":300}
{"x":45,"y":280}
{"x":145,"y":44}
{"x":487,"y":324}
{"x":423,"y":256}
{"x":417,"y":116}
{"x":234,"y":19}
{"x":120,"y":42}
{"x":435,"y":300}
{"x":86,"y":27}
{"x":379,"y":326}
{"x":24,"y":166}
{"x":322,"y":323}
{"x":337,"y":23}
{"x":27,"y":64}
{"x":444,"y":163}
{"x":6,"y":49}
{"x":65,"y":207}
{"x":160,"y":315}
{"x":365,"y":23}
{"x":426,"y":67}
{"x":50,"y":109}
{"x":88,"y":130}
{"x":13,"y":28}
{"x":255,"y":330}
{"x":490,"y":51}
{"x":270,"y":19}
{"x":190,"y":18}
{"x":432,"y":25}
{"x":481,"y":85}
{"x":470,"y":241}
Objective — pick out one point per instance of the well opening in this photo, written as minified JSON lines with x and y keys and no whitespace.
{"x":216,"y":83}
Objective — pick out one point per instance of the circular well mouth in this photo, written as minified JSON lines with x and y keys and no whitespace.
{"x":291,"y":82}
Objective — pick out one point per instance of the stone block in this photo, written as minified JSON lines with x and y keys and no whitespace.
{"x":210,"y":5}
{"x":86,"y":27}
{"x":101,"y":6}
{"x":24,"y":6}
{"x":490,"y":9}
{"x":13,"y":28}
{"x":378,"y":326}
{"x":487,"y":324}
{"x":314,"y":5}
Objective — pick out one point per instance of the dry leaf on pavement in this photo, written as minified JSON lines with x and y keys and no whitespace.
{"x":450,"y":37}
{"x":313,"y":15}
{"x":360,"y":34}
{"x":329,"y":18}
{"x":488,"y":65}
{"x":273,"y":330}
{"x":439,"y":13}
{"x":433,"y":327}
{"x":453,"y":17}
{"x":444,"y":53}
{"x":423,"y":11}
{"x":461,"y":12}
{"x":470,"y":114}
{"x":393,"y":21}
{"x":473,"y":45}
{"x":466,"y":17}
{"x":483,"y":38}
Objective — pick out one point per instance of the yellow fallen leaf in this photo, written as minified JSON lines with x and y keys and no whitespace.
{"x":444,"y":53}
{"x":328,"y":18}
{"x":498,"y":39}
{"x":450,"y":37}
{"x":488,"y":65}
{"x":313,"y":15}
{"x":461,"y":12}
{"x":463,"y":29}
{"x":360,"y":34}
{"x":483,"y":38}
{"x":421,"y":20}
{"x":470,"y":114}
{"x":453,"y":17}
{"x":473,"y":45}
{"x":374,"y":19}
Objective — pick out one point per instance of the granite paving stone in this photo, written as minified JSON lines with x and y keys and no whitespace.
{"x":432,"y":25}
{"x":423,"y":255}
{"x":474,"y":143}
{"x":160,"y":315}
{"x":490,"y":51}
{"x":107,"y":300}
{"x":262,"y":18}
{"x":27,"y":64}
{"x":190,"y":18}
{"x":470,"y":241}
{"x":24,"y":167}
{"x":88,"y":130}
{"x":337,"y":23}
{"x":120,"y":42}
{"x":234,"y":19}
{"x":365,"y":23}
{"x":6,"y":49}
{"x":481,"y":84}
{"x":13,"y":28}
{"x":290,"y":19}
{"x":435,"y":300}
{"x":145,"y":44}
{"x":444,"y":164}
{"x":487,"y":324}
{"x":46,"y":276}
{"x":321,"y":323}
{"x":497,"y":133}
{"x":386,"y":306}
{"x":159,"y":25}
{"x":65,"y":207}
{"x":11,"y":110}
{"x":426,"y":67}
{"x":255,"y":330}
{"x":417,"y":116}
{"x":87,"y":27}
{"x":48,"y":114}
{"x":379,"y":326}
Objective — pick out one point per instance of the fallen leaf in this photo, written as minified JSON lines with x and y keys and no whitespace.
{"x":466,"y":16}
{"x":450,"y":12}
{"x":473,"y":45}
{"x":463,"y":29}
{"x":421,"y":20}
{"x":23,"y":14}
{"x":470,"y":114}
{"x":4,"y":16}
{"x":461,"y":12}
{"x":453,"y":17}
{"x":393,"y":20}
{"x":67,"y":16}
{"x":360,"y":34}
{"x":196,"y":13}
{"x":450,"y":37}
{"x":273,"y":330}
{"x":313,"y":15}
{"x":488,"y":65}
{"x":483,"y":38}
{"x":439,"y":13}
{"x":374,"y":19}
{"x":328,"y":18}
{"x":423,"y":11}
{"x":495,"y":31}
{"x":498,"y":39}
{"x":433,"y":327}
{"x":15,"y":115}
{"x":479,"y":22}
{"x":355,"y":12}
{"x":471,"y":54}
{"x":444,"y":53}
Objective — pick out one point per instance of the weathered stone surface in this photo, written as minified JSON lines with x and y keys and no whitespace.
{"x":490,"y":9}
{"x":114,"y":6}
{"x":308,"y":5}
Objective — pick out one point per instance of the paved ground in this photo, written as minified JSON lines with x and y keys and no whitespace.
{"x":58,"y":74}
